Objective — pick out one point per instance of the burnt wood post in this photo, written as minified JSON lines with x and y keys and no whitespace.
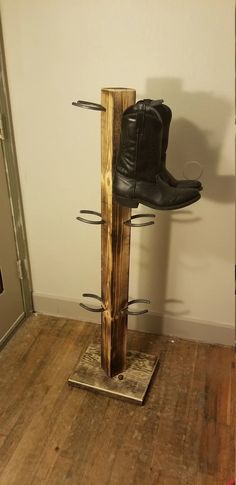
{"x":115,"y":236}
{"x":108,"y":368}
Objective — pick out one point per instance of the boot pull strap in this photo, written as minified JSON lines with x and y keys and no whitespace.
{"x":157,"y":102}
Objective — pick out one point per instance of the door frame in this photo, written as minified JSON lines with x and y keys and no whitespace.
{"x":13,"y":181}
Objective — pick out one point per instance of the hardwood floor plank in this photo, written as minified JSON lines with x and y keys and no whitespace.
{"x":165,"y":479}
{"x":195,"y":411}
{"x":205,"y":479}
{"x":27,"y":375}
{"x":53,"y":434}
{"x":14,"y":351}
{"x":219,"y":385}
{"x":217,"y":435}
{"x":173,"y":412}
{"x":32,"y":414}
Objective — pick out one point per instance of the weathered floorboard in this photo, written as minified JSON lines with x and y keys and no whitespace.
{"x":53,"y":434}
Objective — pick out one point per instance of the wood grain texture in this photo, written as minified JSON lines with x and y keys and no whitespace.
{"x":52,"y":434}
{"x":132,"y":385}
{"x":115,"y":236}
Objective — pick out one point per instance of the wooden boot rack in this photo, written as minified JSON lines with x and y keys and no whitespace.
{"x":108,"y":368}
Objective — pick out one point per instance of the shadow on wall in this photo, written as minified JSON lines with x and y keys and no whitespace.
{"x":201,"y":142}
{"x":189,"y":142}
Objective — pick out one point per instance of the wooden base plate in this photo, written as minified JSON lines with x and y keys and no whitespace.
{"x":131,"y":385}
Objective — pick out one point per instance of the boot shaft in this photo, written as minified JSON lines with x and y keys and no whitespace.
{"x":139,"y":154}
{"x":165,"y":114}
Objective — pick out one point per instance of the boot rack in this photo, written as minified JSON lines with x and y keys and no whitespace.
{"x":108,"y":368}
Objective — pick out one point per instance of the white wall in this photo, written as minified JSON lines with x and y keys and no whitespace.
{"x":59,"y":51}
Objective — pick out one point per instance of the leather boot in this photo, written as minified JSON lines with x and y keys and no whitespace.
{"x":166,"y":115}
{"x":137,"y":177}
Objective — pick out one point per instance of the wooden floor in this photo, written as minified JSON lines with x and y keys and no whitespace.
{"x":53,"y":434}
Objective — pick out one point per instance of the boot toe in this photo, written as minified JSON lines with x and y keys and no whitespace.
{"x":187,"y":196}
{"x":189,"y":184}
{"x":177,"y":197}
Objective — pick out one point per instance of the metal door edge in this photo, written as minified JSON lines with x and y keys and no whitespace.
{"x":12,"y":329}
{"x":10,"y":159}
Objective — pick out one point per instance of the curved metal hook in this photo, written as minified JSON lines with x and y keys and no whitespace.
{"x":89,"y":105}
{"x":91,"y":309}
{"x":136,"y":312}
{"x":140,"y":224}
{"x":88,"y":221}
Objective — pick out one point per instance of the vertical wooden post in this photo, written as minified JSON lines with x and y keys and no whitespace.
{"x":90,"y":373}
{"x":115,"y":237}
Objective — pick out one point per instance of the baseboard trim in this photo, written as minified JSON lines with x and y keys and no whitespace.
{"x":191,"y":329}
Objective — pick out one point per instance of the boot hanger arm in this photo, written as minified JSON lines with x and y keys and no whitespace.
{"x":88,"y":105}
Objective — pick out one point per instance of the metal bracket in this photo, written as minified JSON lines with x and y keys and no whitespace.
{"x":140,"y":224}
{"x":92,"y":309}
{"x":136,"y":312}
{"x":88,"y":221}
{"x":89,"y":105}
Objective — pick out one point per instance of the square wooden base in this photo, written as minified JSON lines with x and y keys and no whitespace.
{"x":131,"y":385}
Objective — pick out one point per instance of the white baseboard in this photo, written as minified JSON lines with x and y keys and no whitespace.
{"x":209,"y":332}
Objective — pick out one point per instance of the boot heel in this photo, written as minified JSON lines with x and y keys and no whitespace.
{"x":127,"y":202}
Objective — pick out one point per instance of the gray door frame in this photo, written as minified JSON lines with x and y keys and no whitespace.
{"x":10,"y":160}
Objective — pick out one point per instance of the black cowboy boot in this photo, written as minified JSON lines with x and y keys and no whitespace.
{"x":166,"y":115}
{"x":137,"y":177}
